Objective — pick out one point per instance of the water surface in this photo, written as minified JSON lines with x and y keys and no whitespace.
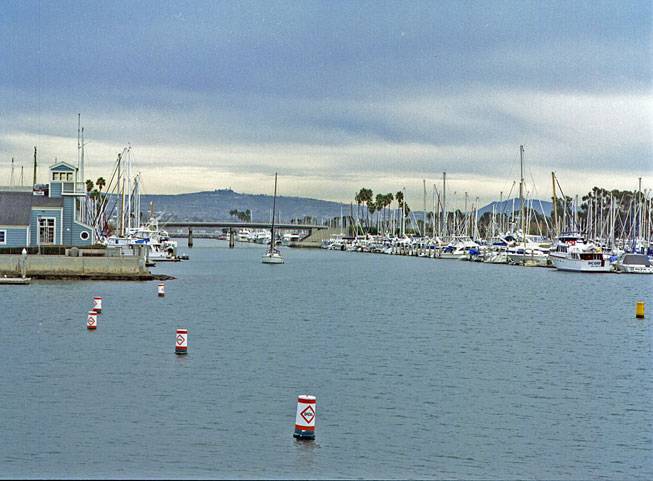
{"x":422,"y":369}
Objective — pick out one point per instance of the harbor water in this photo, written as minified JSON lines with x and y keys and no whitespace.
{"x":421,"y":369}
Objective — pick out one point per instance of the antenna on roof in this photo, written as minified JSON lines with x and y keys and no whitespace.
{"x":11,"y":179}
{"x":21,"y":176}
{"x":34,"y":178}
{"x":79,"y":145}
{"x":81,"y":166}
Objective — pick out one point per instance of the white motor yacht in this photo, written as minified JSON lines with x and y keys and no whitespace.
{"x":570,"y":253}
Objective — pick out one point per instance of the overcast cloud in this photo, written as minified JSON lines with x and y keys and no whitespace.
{"x":333,"y":95}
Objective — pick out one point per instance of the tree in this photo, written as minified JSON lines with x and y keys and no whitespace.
{"x":89,"y":185}
{"x":400,"y":198}
{"x":368,"y":198}
{"x":100,"y":182}
{"x":358,"y":198}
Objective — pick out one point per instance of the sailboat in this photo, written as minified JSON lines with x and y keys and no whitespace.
{"x":273,"y":256}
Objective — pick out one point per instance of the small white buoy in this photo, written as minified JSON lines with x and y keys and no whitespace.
{"x":97,"y":304}
{"x":162,"y":289}
{"x":181,"y":341}
{"x":91,"y":320}
{"x":305,"y":419}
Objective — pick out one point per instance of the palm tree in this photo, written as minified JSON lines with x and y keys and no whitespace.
{"x":371,"y":209}
{"x":389,"y":197}
{"x":400,"y":198}
{"x":100,"y":183}
{"x":89,"y":185}
{"x":368,"y":198}
{"x":359,"y":198}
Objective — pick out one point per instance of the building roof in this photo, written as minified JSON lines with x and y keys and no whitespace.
{"x":63,"y":166}
{"x":43,"y":201}
{"x":15,"y":208}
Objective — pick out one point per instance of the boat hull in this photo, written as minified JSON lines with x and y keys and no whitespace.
{"x":629,"y":269}
{"x":579,"y":265}
{"x":272,"y":260}
{"x":528,"y":260}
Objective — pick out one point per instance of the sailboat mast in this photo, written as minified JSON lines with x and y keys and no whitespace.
{"x":521,"y":193}
{"x":433,"y":219}
{"x":79,"y":148}
{"x":554,"y":198}
{"x":501,"y":212}
{"x":424,"y":211}
{"x":81,"y":165}
{"x":274,"y":208}
{"x":443,"y":219}
{"x":129,"y":189}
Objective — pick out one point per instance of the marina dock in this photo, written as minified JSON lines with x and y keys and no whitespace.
{"x":66,"y":267}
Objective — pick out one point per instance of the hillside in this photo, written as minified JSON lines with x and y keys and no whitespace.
{"x":540,"y":206}
{"x":216,"y":204}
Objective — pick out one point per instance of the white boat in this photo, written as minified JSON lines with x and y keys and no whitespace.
{"x":289,"y":238}
{"x":262,"y":237}
{"x":530,"y":255}
{"x":570,"y":253}
{"x":273,"y":256}
{"x":458,"y":248}
{"x":158,"y":243}
{"x":244,"y":235}
{"x":634,"y":264}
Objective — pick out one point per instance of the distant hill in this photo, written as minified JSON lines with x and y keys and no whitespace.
{"x":216,"y":204}
{"x":540,"y":206}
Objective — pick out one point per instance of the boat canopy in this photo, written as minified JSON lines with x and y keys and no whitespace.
{"x":636,"y":260}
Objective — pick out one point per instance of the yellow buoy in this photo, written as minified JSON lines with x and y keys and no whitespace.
{"x":639,"y":310}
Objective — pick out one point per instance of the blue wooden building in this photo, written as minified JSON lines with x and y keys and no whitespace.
{"x":49,"y":214}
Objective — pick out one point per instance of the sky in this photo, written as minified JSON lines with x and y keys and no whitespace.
{"x":334,"y":96}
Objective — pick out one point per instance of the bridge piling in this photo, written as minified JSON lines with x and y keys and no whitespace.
{"x":232,"y":239}
{"x":190,"y":237}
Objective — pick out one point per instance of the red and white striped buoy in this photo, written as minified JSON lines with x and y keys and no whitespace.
{"x":91,"y":320}
{"x":162,"y":289}
{"x":305,"y":419}
{"x":97,"y":304}
{"x":181,"y":341}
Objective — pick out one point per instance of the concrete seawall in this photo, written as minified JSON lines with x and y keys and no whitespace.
{"x":60,"y":267}
{"x":315,"y":239}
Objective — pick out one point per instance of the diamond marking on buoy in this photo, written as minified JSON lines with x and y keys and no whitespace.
{"x":308,"y":414}
{"x":180,"y":339}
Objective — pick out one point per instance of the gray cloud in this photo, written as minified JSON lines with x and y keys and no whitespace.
{"x":334,"y":96}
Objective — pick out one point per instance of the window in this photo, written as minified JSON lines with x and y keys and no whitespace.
{"x":46,"y":230}
{"x":84,"y":235}
{"x":62,"y":176}
{"x":3,"y":236}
